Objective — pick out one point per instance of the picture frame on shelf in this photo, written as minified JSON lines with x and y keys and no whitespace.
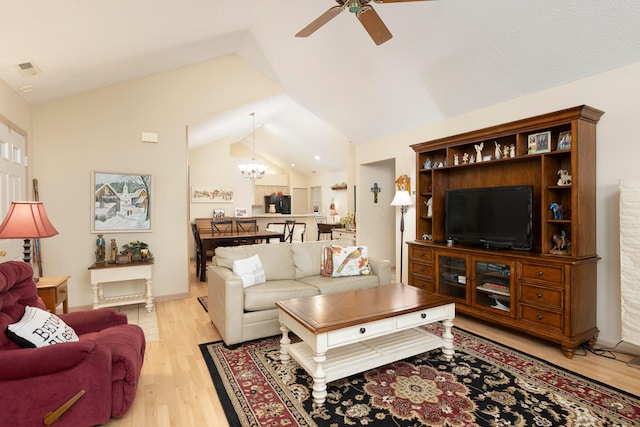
{"x":241,"y":212}
{"x":564,"y":140}
{"x":218,"y":213}
{"x":121,"y":202}
{"x":539,"y":142}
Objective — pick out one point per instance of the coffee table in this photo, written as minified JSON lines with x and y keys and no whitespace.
{"x":349,"y":332}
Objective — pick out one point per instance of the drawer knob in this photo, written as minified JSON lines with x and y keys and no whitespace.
{"x":423,"y":315}
{"x":539,"y":273}
{"x":539,"y":295}
{"x":363,"y":330}
{"x":539,"y":317}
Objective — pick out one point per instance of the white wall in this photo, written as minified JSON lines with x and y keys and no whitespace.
{"x":100,"y":131}
{"x":616,"y":93}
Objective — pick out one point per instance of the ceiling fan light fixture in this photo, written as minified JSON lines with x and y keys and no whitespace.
{"x":253,"y":170}
{"x":354,"y":6}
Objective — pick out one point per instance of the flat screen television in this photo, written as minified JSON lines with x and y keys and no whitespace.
{"x":494,"y":217}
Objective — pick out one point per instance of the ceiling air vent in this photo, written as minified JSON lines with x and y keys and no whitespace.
{"x":28,"y":69}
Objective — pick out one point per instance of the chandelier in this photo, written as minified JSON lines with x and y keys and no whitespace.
{"x":253,"y":170}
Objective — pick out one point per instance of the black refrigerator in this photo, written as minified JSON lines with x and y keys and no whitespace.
{"x":281,"y":203}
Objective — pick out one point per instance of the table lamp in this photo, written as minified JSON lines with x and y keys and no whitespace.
{"x":402,"y":199}
{"x":26,"y":220}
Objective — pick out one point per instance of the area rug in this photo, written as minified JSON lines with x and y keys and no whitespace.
{"x":204,"y":302}
{"x":486,"y":384}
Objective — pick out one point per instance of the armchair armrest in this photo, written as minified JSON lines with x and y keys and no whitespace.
{"x":226,"y":303}
{"x":84,"y":322}
{"x":382,"y":269}
{"x":33,"y":362}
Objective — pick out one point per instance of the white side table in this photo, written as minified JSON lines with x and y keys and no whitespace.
{"x":102,"y":274}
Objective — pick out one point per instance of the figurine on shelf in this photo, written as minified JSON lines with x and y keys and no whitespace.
{"x":426,"y":236}
{"x":429,"y":205}
{"x":561,"y":244}
{"x":558,"y":212}
{"x":456,"y":160}
{"x":565,"y":178}
{"x":465,"y":158}
{"x":505,"y":151}
{"x":512,"y":151}
{"x":427,"y":164}
{"x":113,"y":251}
{"x":100,"y":249}
{"x":479,"y":148}
{"x":498,"y":152}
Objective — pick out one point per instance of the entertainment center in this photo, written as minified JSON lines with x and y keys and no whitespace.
{"x":538,"y":273}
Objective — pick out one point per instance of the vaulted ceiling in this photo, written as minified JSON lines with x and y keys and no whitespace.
{"x":446,"y":57}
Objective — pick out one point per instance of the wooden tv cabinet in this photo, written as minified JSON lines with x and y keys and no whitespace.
{"x":546,"y":291}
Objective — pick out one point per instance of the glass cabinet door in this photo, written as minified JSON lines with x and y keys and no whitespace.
{"x":493,"y":285}
{"x":452,"y":276}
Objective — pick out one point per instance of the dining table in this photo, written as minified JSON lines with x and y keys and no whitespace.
{"x":213,"y":239}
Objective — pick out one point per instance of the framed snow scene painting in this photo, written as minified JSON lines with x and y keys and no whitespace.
{"x":121,"y":202}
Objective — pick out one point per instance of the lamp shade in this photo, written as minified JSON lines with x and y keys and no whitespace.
{"x":26,"y":220}
{"x":402,"y":198}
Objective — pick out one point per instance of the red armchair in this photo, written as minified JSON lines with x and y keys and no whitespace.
{"x":105,"y":363}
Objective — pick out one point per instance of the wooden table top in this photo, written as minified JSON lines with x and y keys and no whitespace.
{"x":322,"y":313}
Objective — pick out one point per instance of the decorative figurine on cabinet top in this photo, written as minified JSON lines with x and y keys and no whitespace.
{"x":561,"y":245}
{"x":479,"y":148}
{"x":498,"y":152}
{"x":558,"y":212}
{"x":100,"y":249}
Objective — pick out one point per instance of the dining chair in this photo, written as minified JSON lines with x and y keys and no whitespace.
{"x":222,"y":226}
{"x":203,"y":255}
{"x":247,"y":226}
{"x":289,"y":225}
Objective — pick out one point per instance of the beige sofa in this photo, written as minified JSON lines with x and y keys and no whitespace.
{"x":292,"y":271}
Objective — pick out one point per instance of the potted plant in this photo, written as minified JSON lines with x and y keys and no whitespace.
{"x":138,"y":250}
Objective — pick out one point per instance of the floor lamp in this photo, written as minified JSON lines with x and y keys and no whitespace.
{"x":402,"y":199}
{"x":26,"y":220}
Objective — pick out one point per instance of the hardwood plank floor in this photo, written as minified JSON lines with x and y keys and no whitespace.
{"x":176,"y":389}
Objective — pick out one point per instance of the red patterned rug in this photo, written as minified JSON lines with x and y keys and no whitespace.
{"x":486,"y":384}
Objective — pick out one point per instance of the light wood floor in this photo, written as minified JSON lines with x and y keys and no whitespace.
{"x":176,"y":389}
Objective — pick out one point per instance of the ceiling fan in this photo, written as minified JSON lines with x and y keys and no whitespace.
{"x":365,"y":13}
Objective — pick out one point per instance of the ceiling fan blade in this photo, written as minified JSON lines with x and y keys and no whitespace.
{"x":371,"y":22}
{"x":320,"y":21}
{"x":395,"y":1}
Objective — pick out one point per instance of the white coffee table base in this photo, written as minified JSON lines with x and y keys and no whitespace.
{"x":337,"y":354}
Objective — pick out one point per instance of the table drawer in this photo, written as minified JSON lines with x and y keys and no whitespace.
{"x":359,"y":332}
{"x":539,"y":272}
{"x":541,"y":296}
{"x":421,"y":254}
{"x":421,"y":317}
{"x":61,"y":293}
{"x":542,"y":317}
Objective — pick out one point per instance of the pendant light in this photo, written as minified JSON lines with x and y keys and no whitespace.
{"x":253,"y":170}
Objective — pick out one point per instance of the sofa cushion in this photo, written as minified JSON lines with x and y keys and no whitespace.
{"x":349,"y":261}
{"x":277,"y":260}
{"x":307,"y":256}
{"x":265,"y":295}
{"x":250,"y":271}
{"x":39,"y":328}
{"x":329,"y":285}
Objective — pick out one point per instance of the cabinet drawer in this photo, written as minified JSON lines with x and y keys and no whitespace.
{"x":359,"y":332}
{"x":542,"y":317}
{"x":421,"y":254}
{"x":425,"y":283}
{"x":424,"y":270}
{"x":551,"y":298}
{"x":61,"y":293}
{"x":543,"y":273}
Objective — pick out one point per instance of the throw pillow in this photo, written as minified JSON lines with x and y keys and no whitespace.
{"x":39,"y":328}
{"x":349,"y":261}
{"x":250,"y":271}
